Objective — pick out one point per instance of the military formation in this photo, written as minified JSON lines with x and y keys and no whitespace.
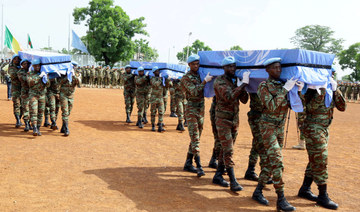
{"x":101,"y":77}
{"x":350,"y":90}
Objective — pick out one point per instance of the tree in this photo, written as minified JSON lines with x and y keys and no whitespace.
{"x":237,"y":47}
{"x":317,"y":38}
{"x":110,"y":30}
{"x":350,"y":58}
{"x":193,"y":49}
{"x":148,"y":53}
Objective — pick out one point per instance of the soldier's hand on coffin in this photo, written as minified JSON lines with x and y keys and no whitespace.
{"x":238,"y":82}
{"x":290,"y":84}
{"x":133,"y":72}
{"x":246,"y":77}
{"x":208,"y":78}
{"x":147,"y":73}
{"x":333,"y":84}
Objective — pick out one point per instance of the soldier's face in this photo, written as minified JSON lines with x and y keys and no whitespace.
{"x":36,"y":67}
{"x":141,"y":73}
{"x":128,"y":70}
{"x":274,"y":70}
{"x":230,"y":69}
{"x":157,"y":73}
{"x":194,"y":66}
{"x":25,"y":65}
{"x":16,"y":61}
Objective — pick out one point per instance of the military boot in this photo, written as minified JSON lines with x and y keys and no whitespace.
{"x":27,"y":126}
{"x":213,"y":161}
{"x":138,"y":121}
{"x":200,"y":171}
{"x":38,"y":128}
{"x":160,"y":128}
{"x":53,"y":124}
{"x":172,"y":114}
{"x":218,"y":177}
{"x":305,"y":190}
{"x":18,"y":121}
{"x":234,"y":185}
{"x":180,"y":126}
{"x":250,"y":173}
{"x":153,"y":127}
{"x":188,"y":164}
{"x":145,"y":119}
{"x":185,"y":123}
{"x":62,"y":130}
{"x":46,"y":122}
{"x":258,"y":195}
{"x":282,"y":204}
{"x":128,"y":118}
{"x":324,"y":200}
{"x":35,"y":131}
{"x":66,"y":129}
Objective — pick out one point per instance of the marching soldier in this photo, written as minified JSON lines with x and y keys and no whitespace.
{"x":142,"y":91}
{"x":172,"y":101}
{"x":129,"y":91}
{"x":23,"y":75}
{"x":156,"y":99}
{"x":179,"y":102}
{"x":14,"y":67}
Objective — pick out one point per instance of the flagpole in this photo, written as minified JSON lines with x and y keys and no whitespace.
{"x":2,"y":31}
{"x":69,"y":36}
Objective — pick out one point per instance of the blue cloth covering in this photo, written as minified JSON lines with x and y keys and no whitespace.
{"x":176,"y":71}
{"x":295,"y":63}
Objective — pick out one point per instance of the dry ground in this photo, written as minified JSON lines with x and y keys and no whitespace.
{"x":108,"y":165}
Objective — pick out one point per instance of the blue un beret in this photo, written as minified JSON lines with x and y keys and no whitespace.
{"x":155,"y":68}
{"x":228,"y":60}
{"x":193,"y":58}
{"x":127,"y":66}
{"x":24,"y":60}
{"x":140,"y":68}
{"x":35,"y":62}
{"x":272,"y":60}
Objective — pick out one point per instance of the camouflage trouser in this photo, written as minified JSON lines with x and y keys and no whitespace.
{"x":195,"y":119}
{"x":179,"y":102}
{"x":129,"y":97}
{"x":100,"y":81}
{"x":301,"y":119}
{"x":25,"y":99}
{"x":217,"y":144}
{"x":157,"y":104}
{"x":316,"y":137}
{"x":348,"y":95}
{"x":52,"y":106}
{"x":16,"y":102}
{"x":106,"y":81}
{"x":142,"y":102}
{"x":66,"y":103}
{"x":37,"y":107}
{"x":114,"y":82}
{"x":253,"y":120}
{"x":91,"y":80}
{"x":273,"y":138}
{"x":165,"y":101}
{"x":227,"y":129}
{"x":172,"y":100}
{"x":355,"y":96}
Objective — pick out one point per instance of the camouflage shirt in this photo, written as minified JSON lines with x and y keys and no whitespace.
{"x":37,"y":87}
{"x":192,"y":87}
{"x":178,"y":89}
{"x":66,"y":87}
{"x":23,"y":75}
{"x":129,"y":81}
{"x":142,"y":84}
{"x":255,"y":103}
{"x":274,"y":100}
{"x":157,"y":87}
{"x":54,"y":87}
{"x":15,"y":82}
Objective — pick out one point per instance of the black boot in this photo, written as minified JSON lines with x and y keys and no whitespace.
{"x":27,"y":127}
{"x":35,"y":131}
{"x":144,"y":118}
{"x":305,"y":190}
{"x":188,"y":164}
{"x":324,"y":200}
{"x":128,"y":118}
{"x":66,"y":129}
{"x":62,"y":130}
{"x":213,"y":161}
{"x":181,"y":126}
{"x":258,"y":195}
{"x":18,"y":121}
{"x":185,"y":123}
{"x":234,"y":185}
{"x":161,"y":129}
{"x":218,"y":177}
{"x":282,"y":204}
{"x":172,"y":114}
{"x":53,"y":124}
{"x":153,"y":127}
{"x":250,"y":173}
{"x":38,"y":129}
{"x":139,"y":123}
{"x":200,"y":171}
{"x":46,"y":122}
{"x":270,"y":181}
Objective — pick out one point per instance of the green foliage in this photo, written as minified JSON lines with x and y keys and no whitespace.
{"x":46,"y":49}
{"x":147,"y":53}
{"x":193,"y":49}
{"x":236,"y":48}
{"x":346,"y":78}
{"x":110,"y":30}
{"x":72,"y":52}
{"x":317,"y":38}
{"x":350,"y":58}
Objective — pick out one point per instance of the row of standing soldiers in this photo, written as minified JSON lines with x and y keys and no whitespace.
{"x":350,"y":90}
{"x":101,"y":77}
{"x":34,"y":95}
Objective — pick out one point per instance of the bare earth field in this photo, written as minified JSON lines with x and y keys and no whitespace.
{"x":108,"y":165}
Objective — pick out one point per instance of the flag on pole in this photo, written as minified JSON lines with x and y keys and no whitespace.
{"x":77,"y":43}
{"x":29,"y":42}
{"x":11,"y":42}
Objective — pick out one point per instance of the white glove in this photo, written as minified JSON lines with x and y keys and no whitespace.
{"x":73,"y":73}
{"x":147,"y":73}
{"x":246,"y":77}
{"x":208,"y":78}
{"x":333,"y":84}
{"x":300,"y":85}
{"x":238,"y":82}
{"x":133,"y":72}
{"x":160,"y":75}
{"x":289,"y":84}
{"x":42,"y":74}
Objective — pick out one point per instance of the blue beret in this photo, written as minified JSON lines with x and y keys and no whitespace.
{"x":35,"y":62}
{"x":15,"y":55}
{"x":193,"y":58}
{"x":155,"y":68}
{"x":140,"y":68}
{"x":333,"y":69}
{"x":127,"y":66}
{"x":228,"y":60}
{"x":272,"y":60}
{"x":74,"y":63}
{"x":24,"y":60}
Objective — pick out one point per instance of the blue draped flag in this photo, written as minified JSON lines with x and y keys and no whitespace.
{"x":77,"y":43}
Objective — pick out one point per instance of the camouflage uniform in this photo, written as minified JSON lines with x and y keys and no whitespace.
{"x":92,"y":77}
{"x":172,"y":99}
{"x":142,"y":94}
{"x":129,"y":91}
{"x":165,"y":92}
{"x":179,"y":100}
{"x":356,"y":92}
{"x":316,"y":132}
{"x":348,"y":92}
{"x":274,"y":99}
{"x":217,"y":144}
{"x":67,"y":90}
{"x":22,"y":76}
{"x":254,"y":116}
{"x":194,"y":92}
{"x":15,"y":88}
{"x":156,"y":99}
{"x":37,"y":98}
{"x":53,"y":99}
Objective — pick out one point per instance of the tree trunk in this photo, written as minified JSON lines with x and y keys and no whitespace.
{"x":106,"y":59}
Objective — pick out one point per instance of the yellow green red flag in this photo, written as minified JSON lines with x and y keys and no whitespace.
{"x":11,"y":42}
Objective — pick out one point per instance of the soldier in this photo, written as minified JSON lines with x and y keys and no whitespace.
{"x":2,"y":72}
{"x":115,"y":78}
{"x":14,"y":67}
{"x":37,"y":83}
{"x":179,"y":102}
{"x":23,"y":74}
{"x":142,"y":91}
{"x":227,"y":119}
{"x":348,"y":91}
{"x":172,"y":100}
{"x":156,"y":99}
{"x":92,"y":76}
{"x":107,"y":77}
{"x":316,"y":131}
{"x":355,"y":91}
{"x":8,"y":81}
{"x":213,"y":163}
{"x":194,"y":92}
{"x":53,"y":101}
{"x":300,"y":125}
{"x":273,"y":96}
{"x":129,"y":91}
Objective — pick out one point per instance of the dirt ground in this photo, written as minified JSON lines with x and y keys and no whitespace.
{"x":108,"y":165}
